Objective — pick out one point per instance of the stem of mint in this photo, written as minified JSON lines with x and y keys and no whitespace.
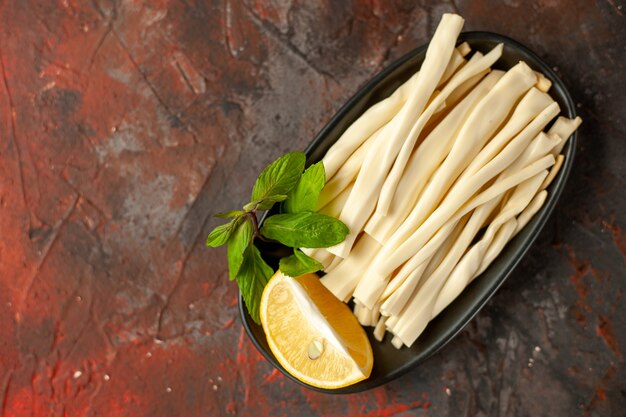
{"x":255,"y":224}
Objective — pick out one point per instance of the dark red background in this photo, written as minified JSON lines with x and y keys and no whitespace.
{"x":124,"y":125}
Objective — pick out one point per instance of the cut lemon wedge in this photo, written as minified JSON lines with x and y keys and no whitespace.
{"x":312,"y":334}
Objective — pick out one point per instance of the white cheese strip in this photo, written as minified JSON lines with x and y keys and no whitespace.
{"x":456,"y":60}
{"x":471,"y":262}
{"x":543,"y":83}
{"x":526,"y":147}
{"x":564,"y":127}
{"x":464,"y":48}
{"x":417,"y":313}
{"x":519,"y":200}
{"x":504,"y":234}
{"x":517,"y":153}
{"x":379,"y":330}
{"x":463,"y":273}
{"x":388,"y":259}
{"x":531,"y":210}
{"x":454,"y":253}
{"x":465,"y":87}
{"x":459,"y":279}
{"x":346,"y":174}
{"x":425,"y":162}
{"x":342,"y":280}
{"x":334,"y":207}
{"x":321,"y":255}
{"x":476,"y":65}
{"x":365,"y":126}
{"x":423,"y":257}
{"x":364,"y":316}
{"x":383,"y":152}
{"x":393,"y":255}
{"x":391,"y":323}
{"x":504,"y":183}
{"x":397,"y":342}
{"x":336,"y":261}
{"x":477,"y":261}
{"x":395,"y":304}
{"x":375,"y":315}
{"x":469,"y":231}
{"x":553,"y":172}
{"x":539,"y":147}
{"x":533,"y":103}
{"x":482,"y":122}
{"x":369,"y":122}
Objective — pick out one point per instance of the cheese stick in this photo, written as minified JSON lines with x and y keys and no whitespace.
{"x":564,"y":127}
{"x":379,"y":330}
{"x":373,"y":119}
{"x":478,"y":127}
{"x":553,"y":172}
{"x":334,"y":207}
{"x":476,"y":65}
{"x":383,"y":152}
{"x":377,"y":274}
{"x":346,"y":174}
{"x":425,"y":162}
{"x":397,"y":301}
{"x":533,"y":103}
{"x":342,"y":280}
{"x":532,"y":209}
{"x":472,"y":263}
{"x":391,"y":255}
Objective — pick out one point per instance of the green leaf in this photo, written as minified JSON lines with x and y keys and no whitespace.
{"x":299,"y":264}
{"x":305,"y":194}
{"x":252,"y":278}
{"x":237,"y":244}
{"x":221,"y":234}
{"x":227,"y":214}
{"x":279,"y":177}
{"x":304,"y":230}
{"x":265,"y":204}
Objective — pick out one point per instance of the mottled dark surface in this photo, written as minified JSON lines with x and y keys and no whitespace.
{"x":125,"y":124}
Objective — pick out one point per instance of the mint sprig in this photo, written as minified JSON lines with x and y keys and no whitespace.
{"x":278,"y":179}
{"x":283,"y":181}
{"x":237,"y":245}
{"x":303,"y":197}
{"x":304,"y":230}
{"x":227,"y":214}
{"x":251,"y":278}
{"x":299,"y":264}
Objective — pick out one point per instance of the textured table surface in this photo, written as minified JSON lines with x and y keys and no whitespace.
{"x":124,"y":125}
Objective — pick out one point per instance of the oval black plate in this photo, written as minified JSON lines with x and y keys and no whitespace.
{"x":390,"y":363}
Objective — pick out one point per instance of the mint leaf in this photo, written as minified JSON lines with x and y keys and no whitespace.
{"x":305,"y":194}
{"x":265,"y":204}
{"x":279,"y":177}
{"x":227,"y":214}
{"x":252,"y":278}
{"x":304,"y":230}
{"x":221,"y":234}
{"x":299,"y":264}
{"x":237,"y":244}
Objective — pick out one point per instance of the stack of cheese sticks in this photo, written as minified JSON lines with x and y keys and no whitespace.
{"x":434,"y":180}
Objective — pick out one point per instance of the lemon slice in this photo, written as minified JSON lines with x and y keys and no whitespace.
{"x":312,"y":334}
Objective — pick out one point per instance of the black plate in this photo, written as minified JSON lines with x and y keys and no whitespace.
{"x":390,"y":363}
